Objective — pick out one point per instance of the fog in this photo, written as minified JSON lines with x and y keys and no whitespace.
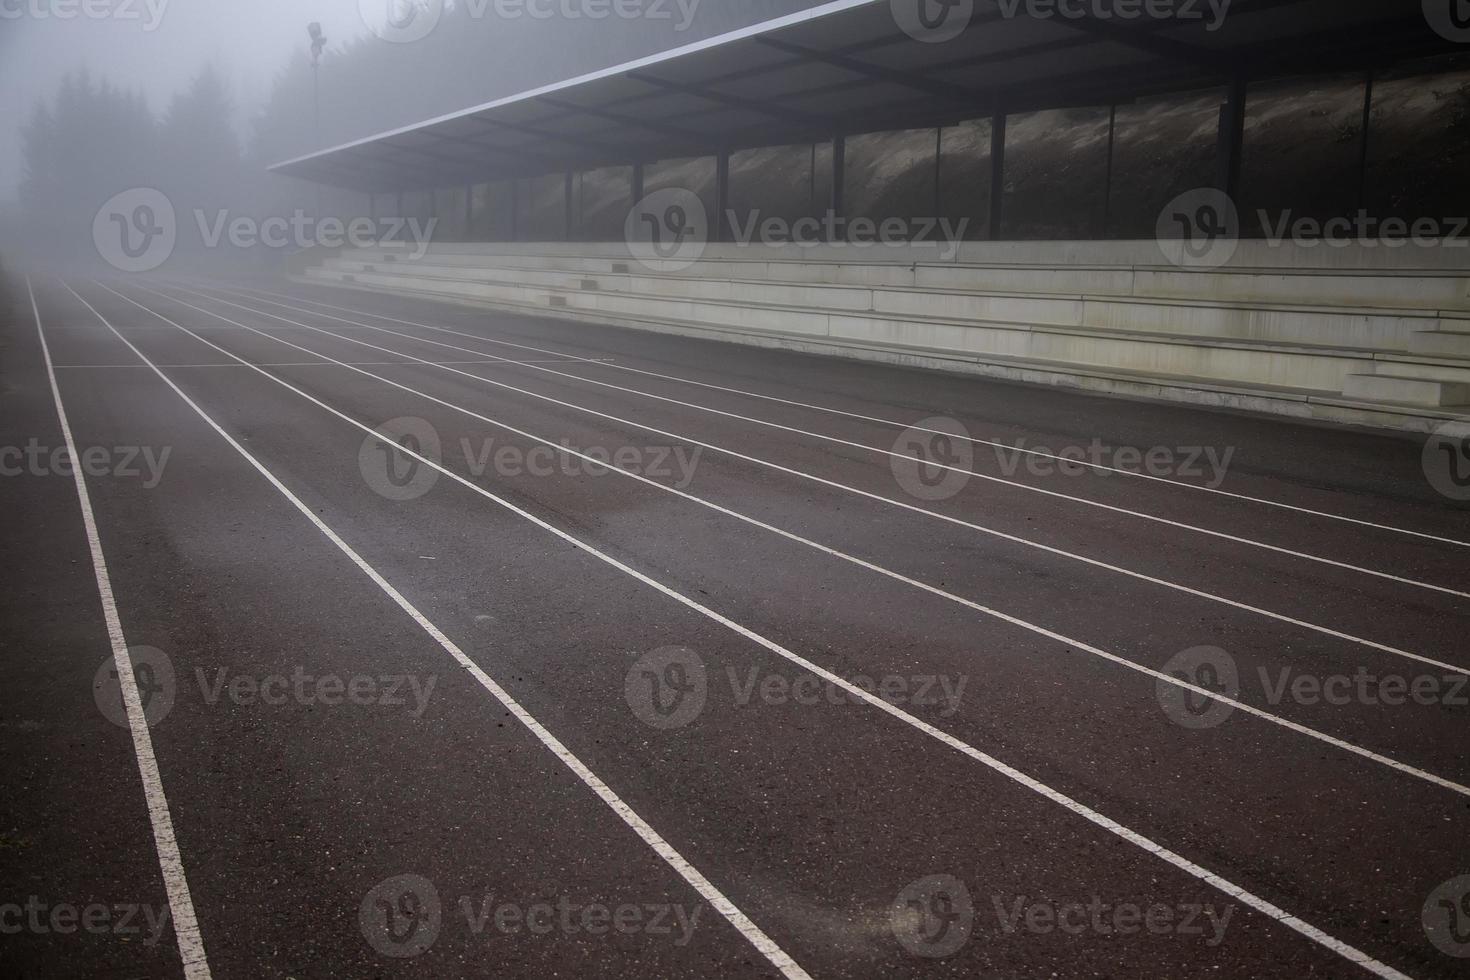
{"x":197,"y":97}
{"x":248,"y":43}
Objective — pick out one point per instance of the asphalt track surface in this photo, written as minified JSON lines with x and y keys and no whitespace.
{"x":421,"y":689}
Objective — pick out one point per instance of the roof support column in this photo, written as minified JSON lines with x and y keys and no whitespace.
{"x":997,"y":174}
{"x":938,"y":177}
{"x":1229,"y":144}
{"x":837,"y":205}
{"x":469,"y":212}
{"x":1107,"y":215}
{"x":566,"y":197}
{"x":722,"y":195}
{"x":1367,"y":125}
{"x":515,"y":209}
{"x":637,"y":182}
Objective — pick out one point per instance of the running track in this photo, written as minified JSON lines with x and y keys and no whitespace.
{"x":767,"y":696}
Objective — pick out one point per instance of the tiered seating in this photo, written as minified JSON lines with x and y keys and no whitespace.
{"x":1373,"y":335}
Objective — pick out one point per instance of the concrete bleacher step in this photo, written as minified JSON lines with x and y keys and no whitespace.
{"x":1225,"y":360}
{"x":1408,"y":390}
{"x":1117,"y":269}
{"x":1341,"y":326}
{"x":1441,"y":343}
{"x":1239,"y":336}
{"x":1393,"y":289}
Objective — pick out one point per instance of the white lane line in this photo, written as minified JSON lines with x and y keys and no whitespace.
{"x":882,"y":421}
{"x":767,"y":946}
{"x":943,"y":466}
{"x":175,"y":883}
{"x":1246,"y":607}
{"x":1178,"y":861}
{"x":487,"y":359}
{"x":1158,"y":676}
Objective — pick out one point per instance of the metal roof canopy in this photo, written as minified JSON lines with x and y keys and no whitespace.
{"x":846,"y":67}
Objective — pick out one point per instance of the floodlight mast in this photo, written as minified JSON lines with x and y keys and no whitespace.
{"x":318,"y":45}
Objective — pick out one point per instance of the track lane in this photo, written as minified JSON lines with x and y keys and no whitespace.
{"x":1355,"y":606}
{"x":1035,"y":594}
{"x":294,"y":812}
{"x":1335,"y":467}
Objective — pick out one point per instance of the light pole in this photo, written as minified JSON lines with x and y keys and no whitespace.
{"x":318,"y":45}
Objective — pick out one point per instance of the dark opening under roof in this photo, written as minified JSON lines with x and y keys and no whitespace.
{"x":849,"y":67}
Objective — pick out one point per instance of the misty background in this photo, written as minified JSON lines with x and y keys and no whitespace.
{"x":197,"y":97}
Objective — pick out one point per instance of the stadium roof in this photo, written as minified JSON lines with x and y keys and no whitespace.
{"x":849,"y":67}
